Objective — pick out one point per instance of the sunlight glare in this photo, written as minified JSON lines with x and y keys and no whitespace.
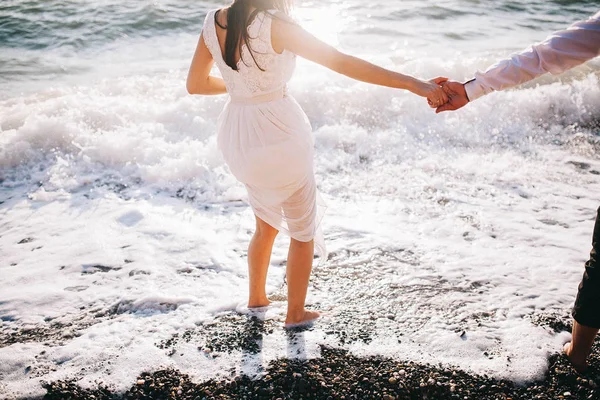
{"x":324,"y":21}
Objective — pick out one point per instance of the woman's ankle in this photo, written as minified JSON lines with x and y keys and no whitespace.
{"x":296,"y":316}
{"x":259,"y":301}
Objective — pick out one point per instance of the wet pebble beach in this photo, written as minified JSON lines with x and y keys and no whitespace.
{"x":337,"y":374}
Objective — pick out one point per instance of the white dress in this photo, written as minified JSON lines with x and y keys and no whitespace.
{"x":265,"y":137}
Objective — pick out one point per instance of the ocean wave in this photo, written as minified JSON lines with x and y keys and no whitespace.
{"x":147,"y":129}
{"x":79,"y":25}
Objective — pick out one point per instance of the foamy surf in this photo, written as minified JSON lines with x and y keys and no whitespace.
{"x":430,"y":235}
{"x":122,"y":228}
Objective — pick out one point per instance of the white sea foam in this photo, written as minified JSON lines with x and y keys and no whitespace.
{"x":121,"y":222}
{"x":486,"y":201}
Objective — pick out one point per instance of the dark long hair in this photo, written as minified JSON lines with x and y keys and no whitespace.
{"x":240,"y":14}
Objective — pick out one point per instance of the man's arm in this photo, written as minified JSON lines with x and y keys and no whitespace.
{"x":560,"y":52}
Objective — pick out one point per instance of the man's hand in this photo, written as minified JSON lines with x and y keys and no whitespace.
{"x":456,"y":94}
{"x":432,"y":90}
{"x":442,"y":98}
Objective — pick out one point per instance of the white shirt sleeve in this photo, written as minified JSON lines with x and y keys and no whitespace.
{"x":561,"y":51}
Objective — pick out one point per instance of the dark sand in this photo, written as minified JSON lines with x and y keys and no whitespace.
{"x":340,"y":375}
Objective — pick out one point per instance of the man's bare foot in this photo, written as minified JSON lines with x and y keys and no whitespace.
{"x":579,"y":365}
{"x":305,"y":318}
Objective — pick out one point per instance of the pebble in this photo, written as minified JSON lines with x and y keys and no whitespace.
{"x":355,"y":378}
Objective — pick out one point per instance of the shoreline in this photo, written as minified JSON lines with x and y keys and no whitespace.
{"x":337,"y":374}
{"x":340,"y":375}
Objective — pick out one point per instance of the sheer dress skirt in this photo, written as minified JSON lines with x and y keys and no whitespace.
{"x":268,"y":146}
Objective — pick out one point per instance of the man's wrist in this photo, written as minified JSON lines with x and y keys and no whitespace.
{"x":474,"y":89}
{"x":466,"y":91}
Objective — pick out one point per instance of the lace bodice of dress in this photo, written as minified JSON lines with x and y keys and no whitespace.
{"x":249,"y":80}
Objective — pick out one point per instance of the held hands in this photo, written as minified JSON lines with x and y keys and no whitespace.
{"x":455,"y":93}
{"x":436,"y":96}
{"x":442,"y":94}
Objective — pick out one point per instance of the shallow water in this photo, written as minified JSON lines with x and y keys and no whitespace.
{"x":121,"y":223}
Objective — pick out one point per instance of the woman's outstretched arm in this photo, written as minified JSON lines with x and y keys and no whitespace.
{"x":199,"y":80}
{"x":290,"y":36}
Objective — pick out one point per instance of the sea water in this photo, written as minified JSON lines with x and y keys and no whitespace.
{"x":121,"y":226}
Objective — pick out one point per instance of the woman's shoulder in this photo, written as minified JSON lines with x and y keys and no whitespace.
{"x":210,"y":15}
{"x":216,"y":16}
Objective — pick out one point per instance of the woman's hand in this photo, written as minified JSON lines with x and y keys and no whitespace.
{"x":435,"y":94}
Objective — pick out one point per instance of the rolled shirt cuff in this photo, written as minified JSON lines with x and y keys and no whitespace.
{"x":474,"y":89}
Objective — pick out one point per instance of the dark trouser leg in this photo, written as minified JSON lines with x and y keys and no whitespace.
{"x":587,"y":305}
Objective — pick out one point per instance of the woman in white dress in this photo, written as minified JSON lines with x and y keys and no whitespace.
{"x":264,"y":135}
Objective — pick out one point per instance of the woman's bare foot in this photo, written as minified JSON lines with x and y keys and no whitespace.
{"x":257,"y":303}
{"x":579,"y":365}
{"x":305,"y":318}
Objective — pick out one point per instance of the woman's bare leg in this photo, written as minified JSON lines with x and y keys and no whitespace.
{"x":259,"y":257}
{"x":581,"y":345}
{"x":299,"y":266}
